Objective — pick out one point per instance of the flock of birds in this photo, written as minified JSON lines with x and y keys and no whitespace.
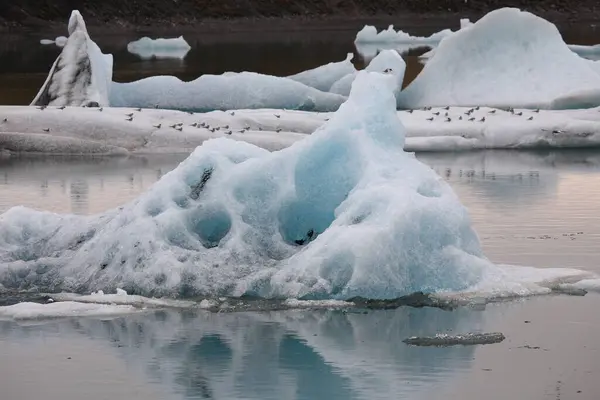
{"x":178,"y":126}
{"x":443,"y":113}
{"x":467,"y":114}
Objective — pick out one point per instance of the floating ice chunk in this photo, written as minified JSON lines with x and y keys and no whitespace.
{"x":388,"y":61}
{"x":442,"y":339}
{"x":591,"y":285}
{"x":81,"y":74}
{"x":589,"y":52}
{"x":61,"y":41}
{"x":465,"y":23}
{"x":323,"y":77}
{"x":506,"y":59}
{"x":62,"y":309}
{"x":295,"y":303}
{"x":122,"y":298}
{"x":222,"y":92}
{"x":343,"y":213}
{"x":369,"y":35}
{"x":147,"y":48}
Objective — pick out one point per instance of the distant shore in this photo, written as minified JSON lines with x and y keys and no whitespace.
{"x":264,"y":16}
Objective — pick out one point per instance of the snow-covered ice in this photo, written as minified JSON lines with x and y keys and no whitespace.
{"x":508,"y":58}
{"x":81,"y":74}
{"x":63,"y":309}
{"x":222,"y":92}
{"x":324,"y":76}
{"x":147,"y":48}
{"x":75,"y":130}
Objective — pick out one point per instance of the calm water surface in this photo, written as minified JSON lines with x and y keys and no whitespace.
{"x":529,"y":208}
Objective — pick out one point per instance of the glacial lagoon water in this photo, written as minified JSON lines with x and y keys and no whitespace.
{"x":529,"y":208}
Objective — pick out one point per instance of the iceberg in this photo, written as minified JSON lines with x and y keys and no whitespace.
{"x":222,"y":92}
{"x":508,"y":58}
{"x":369,"y":34}
{"x":388,"y":61}
{"x":147,"y":48}
{"x":323,"y":77}
{"x":81,"y":74}
{"x":343,"y":213}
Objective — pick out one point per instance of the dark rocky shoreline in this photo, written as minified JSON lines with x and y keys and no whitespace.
{"x":231,"y":16}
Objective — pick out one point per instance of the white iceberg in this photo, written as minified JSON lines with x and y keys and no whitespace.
{"x":342,"y":213}
{"x":222,"y":92}
{"x":506,"y":59}
{"x":147,"y":48}
{"x":388,"y":61}
{"x":323,"y":77}
{"x":81,"y":74}
{"x":369,"y":34}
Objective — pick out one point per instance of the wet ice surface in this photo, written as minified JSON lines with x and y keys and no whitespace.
{"x":529,"y":208}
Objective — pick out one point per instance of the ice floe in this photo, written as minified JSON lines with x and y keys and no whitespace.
{"x":222,"y":92}
{"x":63,"y":309}
{"x":81,"y":74}
{"x":323,"y":77}
{"x":147,"y":48}
{"x":589,"y":52}
{"x":122,"y":131}
{"x":508,"y":58}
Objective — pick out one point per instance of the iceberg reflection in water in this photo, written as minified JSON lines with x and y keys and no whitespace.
{"x":279,"y":355}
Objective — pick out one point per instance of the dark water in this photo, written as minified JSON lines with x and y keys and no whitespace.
{"x":25,"y":62}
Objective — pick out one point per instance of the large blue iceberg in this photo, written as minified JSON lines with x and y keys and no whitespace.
{"x":343,"y":213}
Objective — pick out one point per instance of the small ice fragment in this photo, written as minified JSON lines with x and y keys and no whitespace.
{"x":466,"y":339}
